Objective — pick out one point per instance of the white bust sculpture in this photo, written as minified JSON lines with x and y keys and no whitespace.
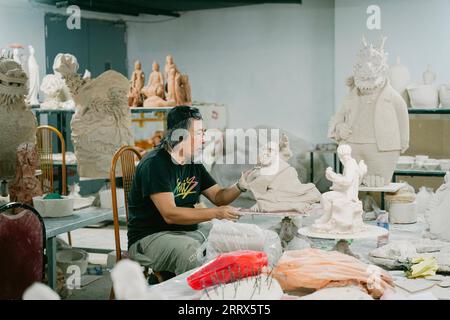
{"x":33,"y":77}
{"x":373,"y":119}
{"x":342,"y":208}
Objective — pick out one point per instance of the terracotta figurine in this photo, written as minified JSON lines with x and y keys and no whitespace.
{"x":25,"y":185}
{"x":137,"y":83}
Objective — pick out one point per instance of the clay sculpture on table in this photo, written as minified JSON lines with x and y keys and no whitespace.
{"x":102,"y":121}
{"x":178,"y":87}
{"x":373,"y":119}
{"x":342,"y":209}
{"x":154,"y":91}
{"x":137,"y":83}
{"x":33,"y":76}
{"x":275,"y":184}
{"x":25,"y":185}
{"x":17,"y":121}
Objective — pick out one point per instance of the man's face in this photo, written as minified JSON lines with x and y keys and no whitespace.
{"x":195,"y":139}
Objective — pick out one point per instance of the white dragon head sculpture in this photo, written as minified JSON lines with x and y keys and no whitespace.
{"x":371,"y":68}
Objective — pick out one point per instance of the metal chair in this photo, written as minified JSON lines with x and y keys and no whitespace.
{"x":22,"y":246}
{"x":44,"y":146}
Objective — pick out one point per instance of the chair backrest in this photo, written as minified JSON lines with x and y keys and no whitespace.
{"x":44,"y":135}
{"x":126,"y":155}
{"x":22,"y":246}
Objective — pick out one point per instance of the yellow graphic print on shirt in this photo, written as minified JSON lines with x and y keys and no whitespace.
{"x":185,"y":187}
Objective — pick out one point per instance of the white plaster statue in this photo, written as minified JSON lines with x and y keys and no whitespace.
{"x":342,"y":209}
{"x":275,"y":184}
{"x":400,"y":78}
{"x":33,"y":76}
{"x":17,"y":121}
{"x":429,"y":77}
{"x":373,"y":119}
{"x":101,"y":123}
{"x":437,"y":215}
{"x":53,"y":88}
{"x":56,"y":86}
{"x":425,"y":95}
{"x":17,"y":56}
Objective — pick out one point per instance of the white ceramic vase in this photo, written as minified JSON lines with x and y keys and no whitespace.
{"x":399,"y":77}
{"x":444,"y":95}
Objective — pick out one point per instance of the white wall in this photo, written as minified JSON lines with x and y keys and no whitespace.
{"x":418,"y":31}
{"x":23,"y":23}
{"x":270,"y":64}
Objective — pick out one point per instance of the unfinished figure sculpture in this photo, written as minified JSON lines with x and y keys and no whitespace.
{"x":25,"y":185}
{"x":342,"y":209}
{"x":102,"y":121}
{"x":17,"y":121}
{"x":373,"y":119}
{"x":275,"y":184}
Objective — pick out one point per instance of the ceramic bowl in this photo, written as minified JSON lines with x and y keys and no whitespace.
{"x":421,"y":158}
{"x":53,"y":208}
{"x":424,"y":96}
{"x":431,"y":164}
{"x":70,"y":257}
{"x":445,"y":164}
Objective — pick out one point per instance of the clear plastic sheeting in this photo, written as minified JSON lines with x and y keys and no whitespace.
{"x":227,"y":236}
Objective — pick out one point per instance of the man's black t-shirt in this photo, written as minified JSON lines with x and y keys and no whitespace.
{"x":155,"y":173}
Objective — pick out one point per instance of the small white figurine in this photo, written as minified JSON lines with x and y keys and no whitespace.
{"x":33,"y":76}
{"x":342,"y":208}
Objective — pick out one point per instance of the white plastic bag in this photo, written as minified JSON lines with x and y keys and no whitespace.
{"x":227,"y":236}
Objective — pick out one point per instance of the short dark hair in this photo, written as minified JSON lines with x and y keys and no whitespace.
{"x":178,"y":118}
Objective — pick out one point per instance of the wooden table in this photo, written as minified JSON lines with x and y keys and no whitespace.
{"x":56,"y":226}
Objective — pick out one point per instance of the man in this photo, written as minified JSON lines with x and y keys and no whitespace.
{"x":163,"y":223}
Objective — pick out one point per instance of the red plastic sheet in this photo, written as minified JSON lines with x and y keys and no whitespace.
{"x":228,"y":267}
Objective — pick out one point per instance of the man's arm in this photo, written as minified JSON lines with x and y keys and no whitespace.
{"x":222,"y":197}
{"x":172,"y":214}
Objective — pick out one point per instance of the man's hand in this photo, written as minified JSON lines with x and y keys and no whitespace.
{"x":227,"y":213}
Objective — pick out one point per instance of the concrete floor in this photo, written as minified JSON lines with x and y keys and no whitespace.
{"x":99,"y":238}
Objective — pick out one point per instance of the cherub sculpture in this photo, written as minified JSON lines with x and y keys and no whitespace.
{"x":373,"y":119}
{"x":342,"y":208}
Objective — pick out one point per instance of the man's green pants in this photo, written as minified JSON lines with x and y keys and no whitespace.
{"x":172,"y":251}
